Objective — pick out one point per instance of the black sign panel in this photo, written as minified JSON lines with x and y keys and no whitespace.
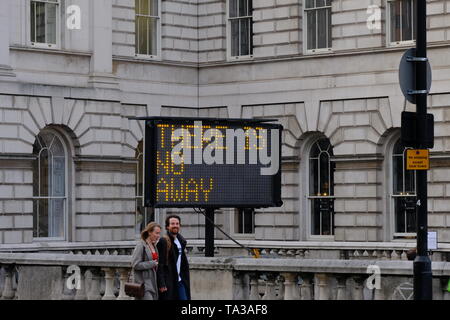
{"x":212,"y":163}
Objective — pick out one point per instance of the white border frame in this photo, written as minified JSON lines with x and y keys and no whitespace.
{"x":305,"y":199}
{"x":158,"y":56}
{"x":307,"y":51}
{"x":39,"y":45}
{"x":69,"y":200}
{"x":228,"y":30}
{"x":390,"y":43}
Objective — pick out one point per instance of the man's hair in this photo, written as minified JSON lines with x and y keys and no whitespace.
{"x":170,"y":217}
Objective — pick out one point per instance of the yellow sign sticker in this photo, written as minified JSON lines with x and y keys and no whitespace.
{"x":417,"y":159}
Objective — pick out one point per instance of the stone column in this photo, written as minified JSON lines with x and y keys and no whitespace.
{"x":323,"y":286}
{"x":67,"y":294}
{"x":270,"y":287}
{"x":306,"y":289}
{"x":254,"y":291}
{"x":5,"y":13}
{"x":94,"y":292}
{"x":2,"y":281}
{"x":101,"y":44}
{"x":109,"y":284}
{"x":8,"y":290}
{"x":81,"y":293}
{"x":291,"y":291}
{"x":358,"y":290}
{"x":238,"y":288}
{"x":445,"y":287}
{"x":123,"y":278}
{"x":341,"y":287}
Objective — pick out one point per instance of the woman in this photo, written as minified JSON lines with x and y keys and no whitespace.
{"x":145,"y":260}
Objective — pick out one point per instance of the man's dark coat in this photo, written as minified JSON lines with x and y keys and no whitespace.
{"x":167,"y":268}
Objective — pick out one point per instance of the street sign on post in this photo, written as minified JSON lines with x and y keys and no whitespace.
{"x":417,"y":159}
{"x":409,"y":131}
{"x":407,"y":72}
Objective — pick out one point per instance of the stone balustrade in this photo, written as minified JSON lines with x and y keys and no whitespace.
{"x":45,"y":276}
{"x":102,"y":277}
{"x":273,"y":249}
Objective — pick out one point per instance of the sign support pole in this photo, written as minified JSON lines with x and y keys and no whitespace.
{"x":422,"y":263}
{"x":209,"y":233}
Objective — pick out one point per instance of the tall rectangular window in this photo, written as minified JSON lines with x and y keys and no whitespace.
{"x":147,"y":27}
{"x":402,"y":22}
{"x":318,"y":24}
{"x":240,"y":27}
{"x":403,"y":194}
{"x":44,"y":21}
{"x":244,"y":221}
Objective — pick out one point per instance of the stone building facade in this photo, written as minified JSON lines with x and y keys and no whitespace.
{"x":73,"y":91}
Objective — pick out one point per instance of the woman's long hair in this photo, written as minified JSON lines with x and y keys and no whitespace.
{"x":149,"y":228}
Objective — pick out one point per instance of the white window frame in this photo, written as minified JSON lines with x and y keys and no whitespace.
{"x":228,"y":27}
{"x":398,"y":235}
{"x":391,"y":43}
{"x":65,"y":197}
{"x":157,"y":56}
{"x":43,"y":45}
{"x":233,"y":212}
{"x":310,"y":198}
{"x":305,"y":31}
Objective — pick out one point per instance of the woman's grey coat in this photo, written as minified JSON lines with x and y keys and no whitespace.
{"x":145,"y":271}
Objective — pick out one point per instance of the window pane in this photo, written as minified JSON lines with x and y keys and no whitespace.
{"x":324,"y":174}
{"x":309,"y":4}
{"x":33,"y":22}
{"x":245,"y":34}
{"x":153,"y":44}
{"x":315,"y":217}
{"x":45,"y":172}
{"x":326,"y":217}
{"x":40,"y":22}
{"x":154,"y":8}
{"x":248,"y":221}
{"x":142,"y":35}
{"x":329,"y":28}
{"x":59,"y":175}
{"x":42,"y":218}
{"x":235,"y":38}
{"x":399,"y":215}
{"x":311,"y":29}
{"x":137,"y":6}
{"x":395,"y":21}
{"x":410,"y":181}
{"x":144,"y":7}
{"x":313,"y":177}
{"x":51,"y":23}
{"x":243,"y":8}
{"x":406,"y":20}
{"x":233,"y":8}
{"x":320,"y":3}
{"x":397,"y":169}
{"x":322,"y":25}
{"x":56,"y":218}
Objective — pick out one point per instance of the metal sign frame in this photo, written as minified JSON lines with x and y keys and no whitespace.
{"x":150,"y":165}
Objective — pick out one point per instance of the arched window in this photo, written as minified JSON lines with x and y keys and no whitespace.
{"x":144,"y":215}
{"x":50,"y":186}
{"x":403,"y":193}
{"x":321,"y":188}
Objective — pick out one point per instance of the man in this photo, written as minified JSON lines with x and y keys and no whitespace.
{"x":173,"y":270}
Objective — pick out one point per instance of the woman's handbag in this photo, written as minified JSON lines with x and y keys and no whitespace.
{"x":135,"y":290}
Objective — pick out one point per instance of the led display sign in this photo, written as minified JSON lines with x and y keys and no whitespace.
{"x":212,"y":163}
